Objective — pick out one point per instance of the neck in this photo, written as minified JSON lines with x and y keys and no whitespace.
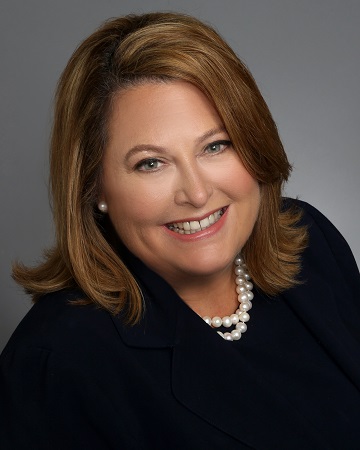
{"x":214,"y":295}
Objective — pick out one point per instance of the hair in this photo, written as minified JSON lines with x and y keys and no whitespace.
{"x":128,"y":51}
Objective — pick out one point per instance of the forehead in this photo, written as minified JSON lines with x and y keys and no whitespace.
{"x":163,"y":110}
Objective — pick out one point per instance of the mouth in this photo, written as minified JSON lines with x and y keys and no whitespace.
{"x":195,"y":226}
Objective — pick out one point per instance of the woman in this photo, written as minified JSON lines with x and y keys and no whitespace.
{"x":166,"y":166}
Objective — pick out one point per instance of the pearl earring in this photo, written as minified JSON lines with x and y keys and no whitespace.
{"x":103,"y":207}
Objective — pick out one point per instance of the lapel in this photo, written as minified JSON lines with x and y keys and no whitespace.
{"x":209,"y":376}
{"x":217,"y":382}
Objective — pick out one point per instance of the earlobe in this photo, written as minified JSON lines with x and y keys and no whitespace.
{"x":103,"y":207}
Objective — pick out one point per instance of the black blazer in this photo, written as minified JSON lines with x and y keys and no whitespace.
{"x":74,"y":377}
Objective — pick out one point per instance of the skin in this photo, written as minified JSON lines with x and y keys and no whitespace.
{"x":169,"y":160}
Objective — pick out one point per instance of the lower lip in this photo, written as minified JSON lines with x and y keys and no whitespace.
{"x":213,"y":229}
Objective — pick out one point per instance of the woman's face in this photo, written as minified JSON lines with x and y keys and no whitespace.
{"x":177,"y":193}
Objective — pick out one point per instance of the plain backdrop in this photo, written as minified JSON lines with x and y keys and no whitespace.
{"x":304,"y":55}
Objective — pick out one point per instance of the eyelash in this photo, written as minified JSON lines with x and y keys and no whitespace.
{"x":224,"y":143}
{"x":141,"y":164}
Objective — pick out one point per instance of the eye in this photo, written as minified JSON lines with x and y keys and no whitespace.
{"x":217,"y":147}
{"x":148,"y":165}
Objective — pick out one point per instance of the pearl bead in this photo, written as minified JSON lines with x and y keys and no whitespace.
{"x":240,"y":280}
{"x":242,"y":327}
{"x":239,"y":260}
{"x":245,"y":306}
{"x":234,"y":319}
{"x":239,"y":271}
{"x":236,"y":334}
{"x":241,"y":289}
{"x":244,"y":317}
{"x":249,"y":285}
{"x":102,"y":207}
{"x":228,"y":337}
{"x":227,"y":322}
{"x":243,"y":298}
{"x":207,"y":320}
{"x":216,"y":322}
{"x":247,"y":276}
{"x":250,"y":295}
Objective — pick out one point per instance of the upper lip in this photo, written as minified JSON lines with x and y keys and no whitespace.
{"x":193,"y":219}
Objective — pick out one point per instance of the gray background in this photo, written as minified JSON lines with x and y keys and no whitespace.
{"x":303,"y":54}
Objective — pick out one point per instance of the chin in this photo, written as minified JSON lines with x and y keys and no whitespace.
{"x":204,"y":264}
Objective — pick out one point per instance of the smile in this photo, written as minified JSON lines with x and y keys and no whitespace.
{"x":195,"y":226}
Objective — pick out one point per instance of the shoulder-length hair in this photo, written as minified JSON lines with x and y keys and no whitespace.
{"x":124,"y":52}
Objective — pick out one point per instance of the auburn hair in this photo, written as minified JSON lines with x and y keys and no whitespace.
{"x":124,"y":52}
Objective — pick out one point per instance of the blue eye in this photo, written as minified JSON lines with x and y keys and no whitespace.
{"x":147,"y":165}
{"x":217,"y":147}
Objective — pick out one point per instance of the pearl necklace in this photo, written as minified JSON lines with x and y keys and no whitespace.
{"x":241,"y":315}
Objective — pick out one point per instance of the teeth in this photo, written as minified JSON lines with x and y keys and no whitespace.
{"x":204,"y":223}
{"x":195,"y":226}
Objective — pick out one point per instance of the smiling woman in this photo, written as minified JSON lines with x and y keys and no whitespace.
{"x":166,"y":174}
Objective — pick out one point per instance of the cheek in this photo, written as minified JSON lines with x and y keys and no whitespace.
{"x":134,"y":204}
{"x":240,"y":184}
{"x":251,"y":188}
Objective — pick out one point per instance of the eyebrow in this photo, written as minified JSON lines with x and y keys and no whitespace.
{"x":150,"y":147}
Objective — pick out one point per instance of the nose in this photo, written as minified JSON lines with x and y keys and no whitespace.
{"x":193,"y":187}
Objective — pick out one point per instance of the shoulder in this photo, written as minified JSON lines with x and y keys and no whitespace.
{"x":311,"y":215}
{"x":327,"y":247}
{"x":58,"y":374}
{"x":315,"y":220}
{"x":56,"y":324}
{"x":62,"y":344}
